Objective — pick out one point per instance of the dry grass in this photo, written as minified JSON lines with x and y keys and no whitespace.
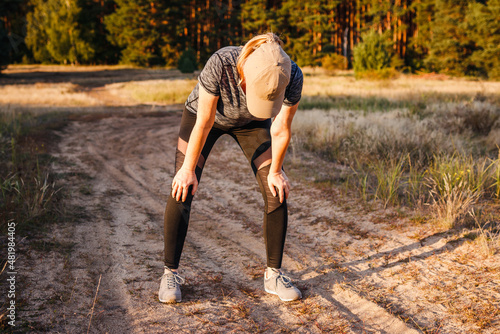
{"x":353,"y":136}
{"x":407,"y":91}
{"x":72,"y":95}
{"x":488,"y":235}
{"x":488,"y":240}
{"x":46,"y":94}
{"x":154,"y":91}
{"x":406,"y":87}
{"x":62,"y":68}
{"x":375,"y":126}
{"x":77,"y":86}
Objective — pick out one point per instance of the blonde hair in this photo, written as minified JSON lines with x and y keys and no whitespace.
{"x":251,"y":46}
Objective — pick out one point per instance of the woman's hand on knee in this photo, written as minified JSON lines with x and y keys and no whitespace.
{"x":181,"y":183}
{"x":279,"y":185}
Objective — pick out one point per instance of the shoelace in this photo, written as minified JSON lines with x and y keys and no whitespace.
{"x":173,"y":279}
{"x":285,"y":280}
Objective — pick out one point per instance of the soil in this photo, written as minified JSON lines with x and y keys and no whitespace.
{"x":102,"y":271}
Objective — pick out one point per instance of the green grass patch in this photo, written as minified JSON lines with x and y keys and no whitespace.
{"x":29,"y":195}
{"x":365,"y":104}
{"x":417,"y":104}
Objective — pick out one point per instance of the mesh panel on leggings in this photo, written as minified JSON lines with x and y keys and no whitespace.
{"x":272,"y":202}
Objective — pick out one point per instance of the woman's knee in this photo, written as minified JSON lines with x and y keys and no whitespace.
{"x":272,"y":202}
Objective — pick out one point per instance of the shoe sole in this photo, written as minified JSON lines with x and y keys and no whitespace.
{"x":275,"y":293}
{"x":171,"y":301}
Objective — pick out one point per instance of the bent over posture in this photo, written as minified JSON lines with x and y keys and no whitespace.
{"x":240,"y":91}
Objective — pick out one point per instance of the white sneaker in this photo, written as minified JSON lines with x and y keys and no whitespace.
{"x":170,"y":287}
{"x":278,"y":284}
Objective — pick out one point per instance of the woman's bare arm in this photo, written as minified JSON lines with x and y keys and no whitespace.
{"x":205,"y":117}
{"x":281,"y":133}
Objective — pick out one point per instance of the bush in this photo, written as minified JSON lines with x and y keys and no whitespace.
{"x":187,"y":61}
{"x":383,"y":74}
{"x":374,"y":53}
{"x":333,"y":62}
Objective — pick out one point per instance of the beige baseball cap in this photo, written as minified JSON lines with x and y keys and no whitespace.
{"x":267,"y":74}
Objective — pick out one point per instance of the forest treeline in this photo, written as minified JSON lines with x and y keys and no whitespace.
{"x":457,"y":37}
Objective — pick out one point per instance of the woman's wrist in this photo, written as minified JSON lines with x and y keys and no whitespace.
{"x":188,"y":169}
{"x":275,"y":170}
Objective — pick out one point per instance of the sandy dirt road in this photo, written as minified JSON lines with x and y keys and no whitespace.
{"x":119,"y":170}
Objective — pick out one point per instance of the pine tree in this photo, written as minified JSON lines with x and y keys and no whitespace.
{"x":172,"y":40}
{"x":450,"y":46}
{"x":148,"y":32}
{"x":53,"y":33}
{"x":92,"y":29}
{"x":256,"y":18}
{"x":132,"y":28}
{"x":12,"y":23}
{"x":308,"y":24}
{"x":37,"y":37}
{"x":483,"y":28}
{"x":226,"y":18}
{"x":451,"y":36}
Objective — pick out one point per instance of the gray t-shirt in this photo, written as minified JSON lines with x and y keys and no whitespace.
{"x":220,"y":77}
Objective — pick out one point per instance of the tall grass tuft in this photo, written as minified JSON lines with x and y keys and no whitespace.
{"x":389,"y":176}
{"x":38,"y":200}
{"x":33,"y":198}
{"x":415,"y":188}
{"x":488,"y":237}
{"x":495,"y":176}
{"x":451,"y":199}
{"x":456,"y":183}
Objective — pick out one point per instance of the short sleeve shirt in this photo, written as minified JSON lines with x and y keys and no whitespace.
{"x":220,"y":78}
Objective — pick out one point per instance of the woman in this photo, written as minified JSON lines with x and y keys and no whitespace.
{"x":239,"y":91}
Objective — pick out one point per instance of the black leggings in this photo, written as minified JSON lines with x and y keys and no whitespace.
{"x":254,"y":139}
